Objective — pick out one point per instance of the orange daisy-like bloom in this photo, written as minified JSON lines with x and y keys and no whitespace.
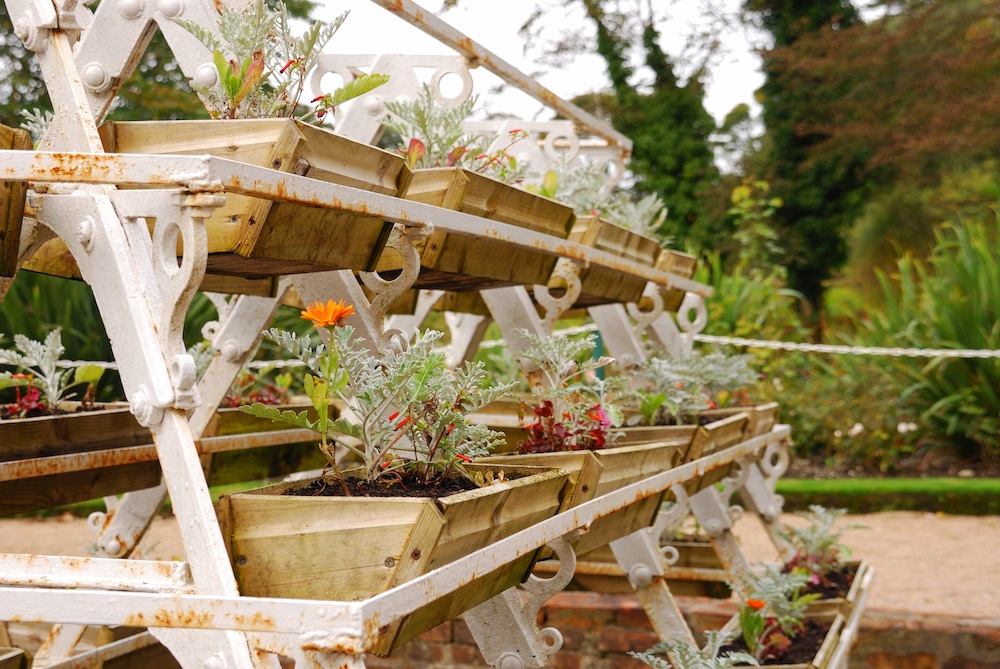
{"x":756,"y":604}
{"x":326,"y":315}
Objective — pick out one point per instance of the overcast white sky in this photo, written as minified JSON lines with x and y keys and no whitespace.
{"x":494,"y":25}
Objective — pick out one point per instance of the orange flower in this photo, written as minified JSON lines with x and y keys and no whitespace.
{"x":331,"y":313}
{"x":756,"y":604}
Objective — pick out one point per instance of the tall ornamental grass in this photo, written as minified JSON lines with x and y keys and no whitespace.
{"x":950,"y":302}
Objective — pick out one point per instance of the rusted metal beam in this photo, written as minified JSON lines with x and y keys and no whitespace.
{"x":405,"y":599}
{"x":113,"y":457}
{"x":85,"y":572}
{"x":300,"y":616}
{"x":212,"y":174}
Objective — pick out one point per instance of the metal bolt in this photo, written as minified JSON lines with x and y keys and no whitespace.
{"x":714,"y":528}
{"x":231,"y":351}
{"x":509,"y":660}
{"x":95,"y":77}
{"x":28,"y":32}
{"x":373,"y":104}
{"x":206,"y":75}
{"x":85,"y":234}
{"x":114,"y":548}
{"x":640,"y":575}
{"x":130,"y":9}
{"x":171,"y":8}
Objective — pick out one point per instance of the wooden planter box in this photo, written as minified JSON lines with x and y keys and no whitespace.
{"x":256,"y":238}
{"x":712,"y":438}
{"x":680,"y":264}
{"x":601,"y":285}
{"x":457,"y":262}
{"x":596,"y":473}
{"x":760,"y":419}
{"x":115,"y":427}
{"x":697,"y":572}
{"x":12,"y":195}
{"x":834,"y":637}
{"x":14,"y":658}
{"x":856,"y":595}
{"x":65,"y":434}
{"x":350,"y":549}
{"x":646,"y":434}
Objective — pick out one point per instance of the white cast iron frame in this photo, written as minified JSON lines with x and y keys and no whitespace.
{"x":105,"y":228}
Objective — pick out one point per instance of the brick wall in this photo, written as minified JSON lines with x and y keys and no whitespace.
{"x":598,"y":631}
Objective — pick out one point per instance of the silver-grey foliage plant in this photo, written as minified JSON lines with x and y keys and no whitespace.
{"x":684,"y":655}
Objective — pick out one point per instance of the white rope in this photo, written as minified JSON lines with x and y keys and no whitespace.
{"x":851,"y":350}
{"x":834,"y":349}
{"x":807,"y":348}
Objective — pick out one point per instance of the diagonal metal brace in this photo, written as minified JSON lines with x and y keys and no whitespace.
{"x":504,"y":626}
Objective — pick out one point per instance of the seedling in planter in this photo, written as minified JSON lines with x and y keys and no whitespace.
{"x":435,"y":137}
{"x":771,"y":615}
{"x":684,"y":655}
{"x":38,"y":373}
{"x":677,"y":388}
{"x":570,"y":414}
{"x":818,"y":551}
{"x":408,"y":408}
{"x":250,"y":388}
{"x":262,"y":65}
{"x":584,"y":188}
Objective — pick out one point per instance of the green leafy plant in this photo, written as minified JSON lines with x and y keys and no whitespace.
{"x":677,"y":388}
{"x":262,"y":65}
{"x":684,"y":655}
{"x":772,"y":612}
{"x":569,"y":413}
{"x":250,"y":388}
{"x":37,"y":365}
{"x":952,"y":302}
{"x":408,"y":409}
{"x":819,"y":552}
{"x":435,"y":137}
{"x":583,"y":188}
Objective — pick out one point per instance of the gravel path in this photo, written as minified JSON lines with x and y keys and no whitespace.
{"x":924,"y":563}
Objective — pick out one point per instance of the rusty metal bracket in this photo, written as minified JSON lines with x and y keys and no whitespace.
{"x":505,"y":628}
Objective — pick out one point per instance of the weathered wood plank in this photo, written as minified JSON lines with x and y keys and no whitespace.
{"x":352,"y":548}
{"x":481,"y":259}
{"x":12,"y":196}
{"x":47,"y":492}
{"x":600,"y":285}
{"x":681,"y":264}
{"x":255,"y":238}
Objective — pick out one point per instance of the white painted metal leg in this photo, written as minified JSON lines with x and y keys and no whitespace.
{"x":620,"y":338}
{"x":408,"y":324}
{"x":467,"y":331}
{"x":640,"y":558}
{"x":504,"y":627}
{"x":714,"y":516}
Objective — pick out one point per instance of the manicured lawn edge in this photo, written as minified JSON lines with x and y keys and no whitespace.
{"x":975,"y":497}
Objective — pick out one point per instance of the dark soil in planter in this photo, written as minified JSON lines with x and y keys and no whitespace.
{"x":409,"y":486}
{"x":12,"y":412}
{"x":837,"y":585}
{"x":803,"y":650}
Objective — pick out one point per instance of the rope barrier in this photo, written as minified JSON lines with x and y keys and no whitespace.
{"x":834,"y":349}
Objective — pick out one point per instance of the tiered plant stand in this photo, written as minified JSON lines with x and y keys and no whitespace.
{"x":145,"y":230}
